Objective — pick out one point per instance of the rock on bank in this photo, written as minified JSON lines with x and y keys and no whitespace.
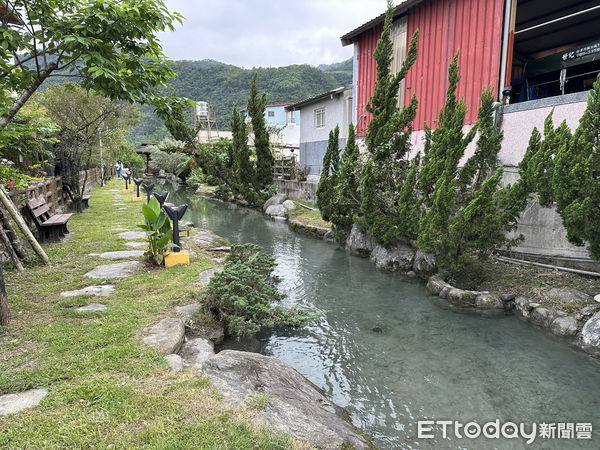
{"x":295,"y":405}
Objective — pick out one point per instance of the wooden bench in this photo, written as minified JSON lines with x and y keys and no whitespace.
{"x":49,"y":226}
{"x":84,"y":200}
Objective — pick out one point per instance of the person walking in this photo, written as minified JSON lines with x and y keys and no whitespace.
{"x":119,"y":167}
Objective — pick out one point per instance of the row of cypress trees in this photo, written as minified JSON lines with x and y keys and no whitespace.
{"x":458,"y":213}
{"x":562,"y":169}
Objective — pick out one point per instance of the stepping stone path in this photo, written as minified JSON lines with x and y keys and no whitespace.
{"x":132,"y":235}
{"x":92,"y":307}
{"x":207,"y":274}
{"x":99,"y":291}
{"x":116,"y":270}
{"x":13,"y":403}
{"x":135,"y":244}
{"x":166,"y":336}
{"x":122,"y":254}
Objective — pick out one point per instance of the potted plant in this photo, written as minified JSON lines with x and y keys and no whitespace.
{"x":301,"y":172}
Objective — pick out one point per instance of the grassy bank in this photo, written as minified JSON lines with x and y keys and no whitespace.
{"x":309,"y":217}
{"x":106,"y":388}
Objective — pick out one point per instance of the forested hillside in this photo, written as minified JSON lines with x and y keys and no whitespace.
{"x":341,"y":72}
{"x":224,"y":85}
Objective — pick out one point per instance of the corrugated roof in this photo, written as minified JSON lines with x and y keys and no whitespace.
{"x":310,"y":100}
{"x":402,"y":7}
{"x":279,"y":104}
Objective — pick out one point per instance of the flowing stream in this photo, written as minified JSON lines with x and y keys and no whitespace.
{"x":392,"y":354}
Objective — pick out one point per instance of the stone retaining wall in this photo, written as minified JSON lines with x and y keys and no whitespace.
{"x":299,"y":190}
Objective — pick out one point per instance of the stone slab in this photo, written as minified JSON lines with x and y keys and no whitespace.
{"x":99,"y":291}
{"x":136,"y":244}
{"x":132,"y":235}
{"x":122,"y":254}
{"x":116,"y":270}
{"x":92,"y":307}
{"x":13,"y":403}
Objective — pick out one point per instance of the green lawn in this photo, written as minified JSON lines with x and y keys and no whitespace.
{"x":106,"y":388}
{"x":307,"y":216}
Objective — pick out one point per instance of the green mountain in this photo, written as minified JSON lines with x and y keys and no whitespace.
{"x":341,"y":72}
{"x":224,"y":85}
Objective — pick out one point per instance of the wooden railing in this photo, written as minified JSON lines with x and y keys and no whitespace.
{"x":285,"y":168}
{"x":52,"y":190}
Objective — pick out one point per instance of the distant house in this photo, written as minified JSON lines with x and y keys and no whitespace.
{"x":283,"y":125}
{"x":319,"y":115}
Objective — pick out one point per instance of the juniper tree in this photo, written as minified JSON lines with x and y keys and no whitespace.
{"x":325,"y":189}
{"x":438,"y":183}
{"x":540,"y":165}
{"x":477,"y":228}
{"x":467,"y":212}
{"x":264,"y":157}
{"x":388,"y":139}
{"x":447,"y":143}
{"x":580,"y":184}
{"x":572,"y":154}
{"x":485,"y":159}
{"x":243,"y":170}
{"x":345,"y":191}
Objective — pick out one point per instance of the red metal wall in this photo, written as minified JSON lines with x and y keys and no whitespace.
{"x":473,"y":26}
{"x":367,"y":72}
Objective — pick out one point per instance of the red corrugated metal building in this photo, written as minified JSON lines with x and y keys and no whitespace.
{"x":495,"y":37}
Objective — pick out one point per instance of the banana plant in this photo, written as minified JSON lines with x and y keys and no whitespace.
{"x":158,"y":231}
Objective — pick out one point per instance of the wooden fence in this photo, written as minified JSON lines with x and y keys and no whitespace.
{"x":52,"y":190}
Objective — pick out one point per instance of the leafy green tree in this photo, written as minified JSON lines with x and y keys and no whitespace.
{"x":264,"y":157}
{"x":110,"y":45}
{"x":93,"y":128}
{"x":387,"y":141}
{"x":346,"y":196}
{"x":325,"y":189}
{"x":23,"y":145}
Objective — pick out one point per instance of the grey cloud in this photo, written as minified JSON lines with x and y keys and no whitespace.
{"x":266,"y":32}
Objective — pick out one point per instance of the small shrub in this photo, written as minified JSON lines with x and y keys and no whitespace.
{"x":158,"y":231}
{"x":242,"y":295}
{"x":197,"y":177}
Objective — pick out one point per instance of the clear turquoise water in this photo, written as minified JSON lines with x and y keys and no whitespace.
{"x":427,"y":361}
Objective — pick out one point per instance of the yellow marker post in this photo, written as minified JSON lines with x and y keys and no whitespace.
{"x":175,"y":258}
{"x":136,"y":199}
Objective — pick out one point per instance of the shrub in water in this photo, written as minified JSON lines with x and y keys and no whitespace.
{"x":243,"y":294}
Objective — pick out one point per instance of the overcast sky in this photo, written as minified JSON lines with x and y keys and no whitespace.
{"x":266,"y":33}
